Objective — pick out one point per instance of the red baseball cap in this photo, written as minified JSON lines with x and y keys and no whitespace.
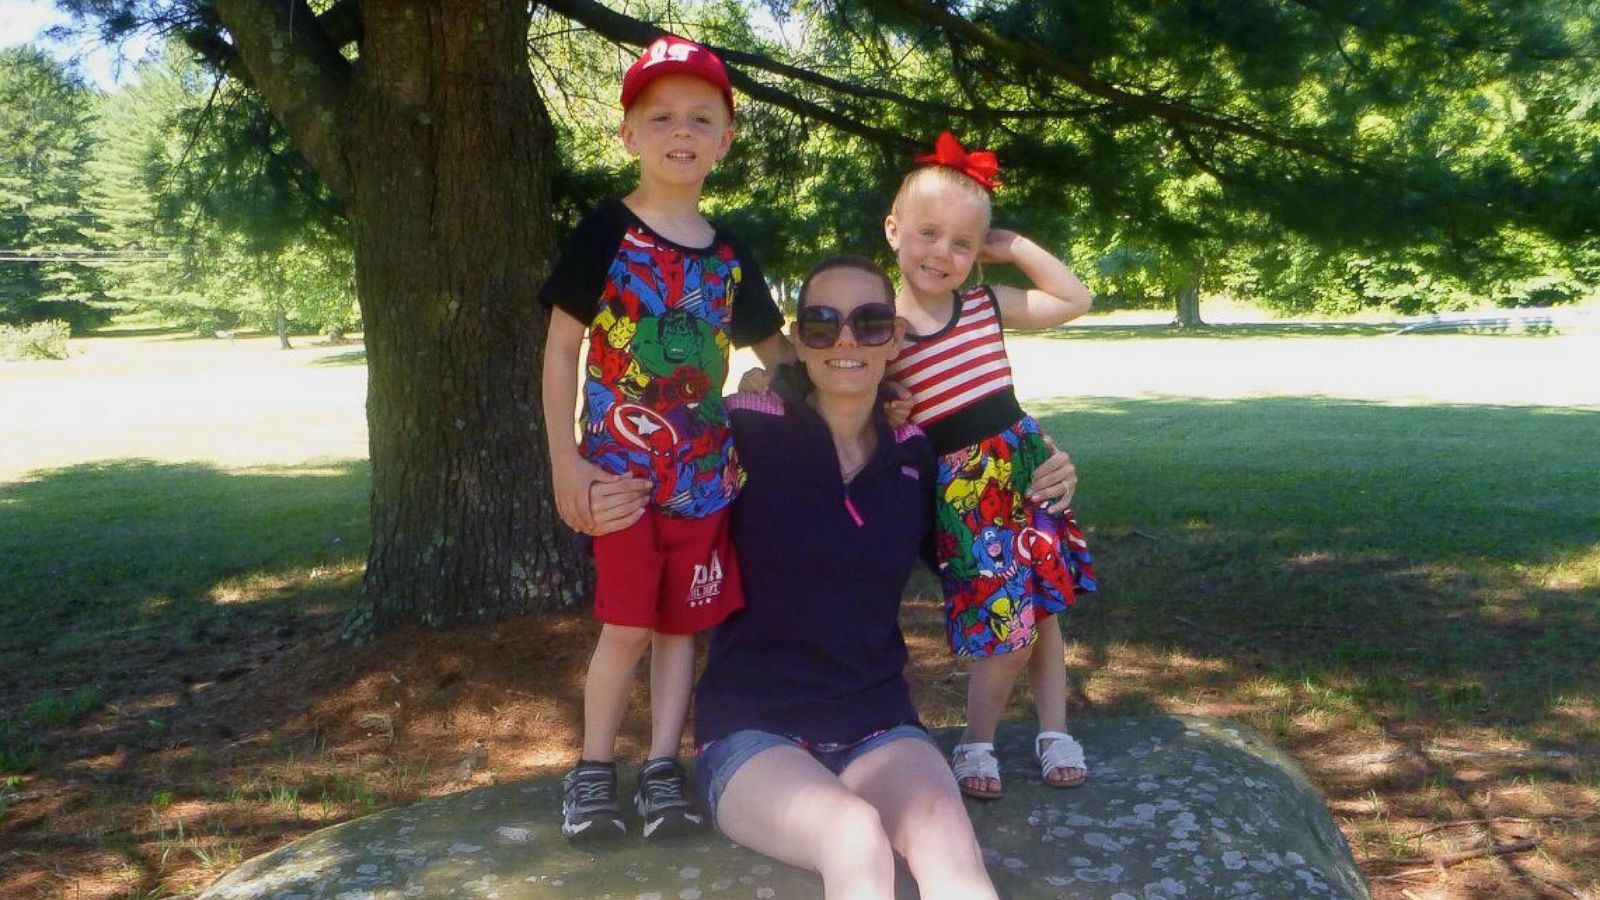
{"x":671,"y":55}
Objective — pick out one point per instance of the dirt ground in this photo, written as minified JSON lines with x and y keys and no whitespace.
{"x":280,"y":732}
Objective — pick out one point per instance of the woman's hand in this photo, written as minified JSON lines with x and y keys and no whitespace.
{"x":573,"y":476}
{"x":897,"y":409}
{"x":1055,"y":481}
{"x":755,"y":381}
{"x":616,"y":505}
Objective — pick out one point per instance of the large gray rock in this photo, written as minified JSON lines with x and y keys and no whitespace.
{"x":1178,"y":807}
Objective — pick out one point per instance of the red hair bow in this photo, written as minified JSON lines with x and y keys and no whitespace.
{"x":980,"y":165}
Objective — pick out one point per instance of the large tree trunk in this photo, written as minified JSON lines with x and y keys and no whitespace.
{"x":439,"y":147}
{"x":449,"y":149}
{"x":1187,"y":312}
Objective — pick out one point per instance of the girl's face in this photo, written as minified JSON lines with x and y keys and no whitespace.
{"x":936,"y":237}
{"x":849,"y":367}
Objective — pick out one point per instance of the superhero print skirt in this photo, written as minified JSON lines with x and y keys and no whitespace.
{"x":1005,"y":563}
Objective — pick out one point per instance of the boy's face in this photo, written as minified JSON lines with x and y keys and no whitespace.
{"x":679,"y":128}
{"x":936,"y":238}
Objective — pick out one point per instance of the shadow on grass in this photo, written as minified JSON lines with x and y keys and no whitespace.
{"x":140,"y":332}
{"x":1254,"y":330}
{"x":356,"y":357}
{"x":101,"y":563}
{"x":1333,"y":567}
{"x":1225,"y":332}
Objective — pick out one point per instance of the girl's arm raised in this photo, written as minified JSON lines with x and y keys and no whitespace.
{"x":1056,"y":296}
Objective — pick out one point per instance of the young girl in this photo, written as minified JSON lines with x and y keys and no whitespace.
{"x":1008,"y":563}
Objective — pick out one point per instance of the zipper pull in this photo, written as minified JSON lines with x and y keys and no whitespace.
{"x":851,"y":508}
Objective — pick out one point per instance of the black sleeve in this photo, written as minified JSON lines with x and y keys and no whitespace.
{"x":579,"y":277}
{"x":756,"y":316}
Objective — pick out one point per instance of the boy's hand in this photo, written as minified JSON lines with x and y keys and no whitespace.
{"x":898,"y":409}
{"x":999,"y":246}
{"x":572,"y":479}
{"x":755,"y":381}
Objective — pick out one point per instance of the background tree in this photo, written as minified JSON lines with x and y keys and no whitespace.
{"x":48,"y":240}
{"x":1192,"y":134}
{"x":197,"y":167}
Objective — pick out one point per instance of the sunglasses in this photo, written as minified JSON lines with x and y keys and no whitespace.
{"x":818,"y":327}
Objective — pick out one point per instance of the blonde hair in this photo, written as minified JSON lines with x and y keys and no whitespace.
{"x":934,"y":178}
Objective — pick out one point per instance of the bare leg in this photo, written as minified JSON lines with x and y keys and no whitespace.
{"x":671,"y":678}
{"x":1047,"y":671}
{"x":607,"y":686}
{"x":909,"y":783}
{"x":784,"y":804}
{"x":987,"y":692}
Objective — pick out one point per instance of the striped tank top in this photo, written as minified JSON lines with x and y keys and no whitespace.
{"x":959,"y":376}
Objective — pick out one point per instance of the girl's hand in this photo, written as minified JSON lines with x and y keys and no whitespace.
{"x":1055,"y":481}
{"x":999,"y":246}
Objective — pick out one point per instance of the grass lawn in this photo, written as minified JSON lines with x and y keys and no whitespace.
{"x":1383,"y":553}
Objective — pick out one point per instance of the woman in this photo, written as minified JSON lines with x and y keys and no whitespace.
{"x":810,"y":749}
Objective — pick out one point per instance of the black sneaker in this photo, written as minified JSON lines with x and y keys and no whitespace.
{"x":663,"y":801}
{"x":589,"y":808}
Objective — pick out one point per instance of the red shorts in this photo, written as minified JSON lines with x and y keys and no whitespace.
{"x":672,"y":575}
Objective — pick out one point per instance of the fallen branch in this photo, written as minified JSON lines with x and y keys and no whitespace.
{"x":1461,"y":823}
{"x":1407,"y":875}
{"x":1520,"y":845}
{"x":1452,"y":859}
{"x":1571,"y":890}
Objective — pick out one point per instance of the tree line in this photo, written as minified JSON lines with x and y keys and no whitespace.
{"x":167,"y":196}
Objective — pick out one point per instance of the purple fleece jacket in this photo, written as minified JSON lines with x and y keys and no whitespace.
{"x":817,"y":651}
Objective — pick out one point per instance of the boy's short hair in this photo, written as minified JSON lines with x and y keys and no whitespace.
{"x":673,"y":55}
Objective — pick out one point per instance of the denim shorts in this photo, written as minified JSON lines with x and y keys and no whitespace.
{"x":717,"y":761}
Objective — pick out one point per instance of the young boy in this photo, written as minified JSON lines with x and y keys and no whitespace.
{"x":657,"y":293}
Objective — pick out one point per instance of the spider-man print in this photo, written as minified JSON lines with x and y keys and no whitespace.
{"x":1005,"y":562}
{"x":657,"y":360}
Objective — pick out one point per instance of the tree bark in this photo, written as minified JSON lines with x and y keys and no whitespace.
{"x":453,"y":235}
{"x":281,"y":321}
{"x":440,"y":146}
{"x":1187,"y":312}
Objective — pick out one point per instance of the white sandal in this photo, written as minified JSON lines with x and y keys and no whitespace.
{"x":975,"y":760}
{"x":1062,"y":753}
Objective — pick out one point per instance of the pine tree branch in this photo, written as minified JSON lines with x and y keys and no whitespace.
{"x":1199,"y":159}
{"x":628,"y":30}
{"x":1030,"y":57}
{"x":215,"y":50}
{"x":625,"y":29}
{"x":297,"y":69}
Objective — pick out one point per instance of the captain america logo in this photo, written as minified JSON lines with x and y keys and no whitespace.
{"x":1030,"y":541}
{"x":641,"y":428}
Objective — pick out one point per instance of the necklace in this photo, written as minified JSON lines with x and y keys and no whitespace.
{"x":848,"y":471}
{"x":849,"y":475}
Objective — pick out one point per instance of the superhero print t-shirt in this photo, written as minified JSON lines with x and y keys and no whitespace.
{"x":661,"y":319}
